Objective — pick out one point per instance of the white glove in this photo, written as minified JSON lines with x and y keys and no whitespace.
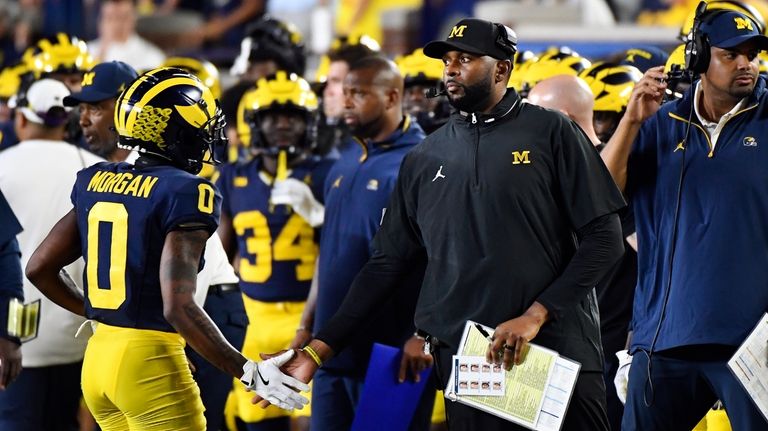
{"x":621,"y":381}
{"x":270,"y":383}
{"x":298,"y":195}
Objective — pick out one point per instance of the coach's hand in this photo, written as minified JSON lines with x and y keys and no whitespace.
{"x":647,"y":95}
{"x":10,"y":362}
{"x":414,"y":359}
{"x":271,"y":384}
{"x":301,"y":366}
{"x":511,"y":337}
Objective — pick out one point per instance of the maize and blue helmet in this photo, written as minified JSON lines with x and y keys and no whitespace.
{"x":169,"y":113}
{"x":282,"y":91}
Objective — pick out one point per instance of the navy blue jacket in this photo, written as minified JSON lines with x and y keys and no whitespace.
{"x":720,"y":269}
{"x":10,"y":266}
{"x":357,"y":191}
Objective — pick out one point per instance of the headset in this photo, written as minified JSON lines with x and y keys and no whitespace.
{"x":697,"y":53}
{"x":697,"y":58}
{"x":506,"y":39}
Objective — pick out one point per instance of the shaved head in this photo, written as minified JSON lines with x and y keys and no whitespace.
{"x":569,"y":95}
{"x":373,"y":98}
{"x":382,"y":71}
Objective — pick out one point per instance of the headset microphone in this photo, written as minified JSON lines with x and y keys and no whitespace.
{"x":433,"y":92}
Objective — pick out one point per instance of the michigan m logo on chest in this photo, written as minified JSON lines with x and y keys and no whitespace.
{"x":521,"y":157}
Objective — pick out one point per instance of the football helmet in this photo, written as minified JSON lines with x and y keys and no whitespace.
{"x":60,"y":54}
{"x":347,"y":49}
{"x":11,"y":79}
{"x":202,"y":69}
{"x":282,"y":91}
{"x":417,"y":68}
{"x":522,"y":61}
{"x":169,"y":113}
{"x":272,"y":39}
{"x":553,"y":63}
{"x":762,"y":58}
{"x":678,"y":80}
{"x":611,"y":85}
{"x":421,"y":73}
{"x":359,"y":39}
{"x":717,"y":5}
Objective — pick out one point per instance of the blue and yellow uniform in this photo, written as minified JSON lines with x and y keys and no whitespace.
{"x":134,"y":364}
{"x":277,"y":253}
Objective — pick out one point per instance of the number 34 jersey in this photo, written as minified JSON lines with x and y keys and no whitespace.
{"x":277,"y":248}
{"x":123,"y":215}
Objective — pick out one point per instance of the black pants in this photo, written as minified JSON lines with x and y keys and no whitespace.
{"x":587,"y":411}
{"x":42,"y":398}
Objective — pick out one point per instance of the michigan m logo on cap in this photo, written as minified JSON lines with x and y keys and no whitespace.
{"x":742,"y":23}
{"x":88,"y":79}
{"x":457,"y":31}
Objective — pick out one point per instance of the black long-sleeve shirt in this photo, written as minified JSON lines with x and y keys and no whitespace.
{"x":497,"y":206}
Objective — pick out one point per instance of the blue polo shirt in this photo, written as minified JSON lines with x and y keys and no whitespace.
{"x":357,"y":192}
{"x":719,"y":283}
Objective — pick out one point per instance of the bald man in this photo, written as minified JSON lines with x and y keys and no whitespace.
{"x":571,"y":96}
{"x":357,"y":191}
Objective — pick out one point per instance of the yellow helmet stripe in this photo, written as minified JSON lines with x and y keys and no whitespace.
{"x":158,"y":88}
{"x":120,"y":114}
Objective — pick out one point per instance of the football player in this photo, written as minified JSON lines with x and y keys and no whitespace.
{"x":423,"y":87}
{"x":276,"y":244}
{"x":141,"y":229}
{"x":207,"y":72}
{"x":63,"y":58}
{"x":612,"y":86}
{"x":270,"y":45}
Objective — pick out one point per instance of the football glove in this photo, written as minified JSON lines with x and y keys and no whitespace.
{"x":298,"y":195}
{"x":266,"y":379}
{"x":621,"y":381}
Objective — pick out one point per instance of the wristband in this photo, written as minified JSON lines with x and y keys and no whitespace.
{"x":312,"y":354}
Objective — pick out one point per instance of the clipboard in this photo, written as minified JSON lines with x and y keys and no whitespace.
{"x":750,"y":365}
{"x":541,"y":407}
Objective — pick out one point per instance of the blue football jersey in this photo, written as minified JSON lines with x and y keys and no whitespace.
{"x":277,"y":247}
{"x":124,"y":214}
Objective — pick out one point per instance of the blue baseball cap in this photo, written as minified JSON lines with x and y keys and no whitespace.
{"x":731,"y":29}
{"x":104,"y":81}
{"x":644,"y":57}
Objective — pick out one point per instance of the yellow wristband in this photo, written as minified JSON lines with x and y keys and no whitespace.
{"x":312,"y":354}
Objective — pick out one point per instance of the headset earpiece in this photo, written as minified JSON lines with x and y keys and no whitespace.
{"x":506,"y":40}
{"x":697,"y":46}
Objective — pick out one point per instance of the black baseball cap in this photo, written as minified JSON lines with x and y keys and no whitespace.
{"x":104,"y":81}
{"x":474,"y":36}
